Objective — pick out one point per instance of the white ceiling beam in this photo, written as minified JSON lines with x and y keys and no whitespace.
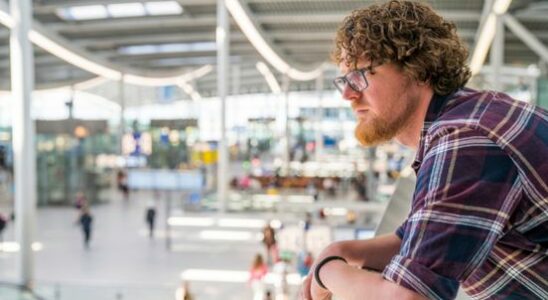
{"x":279,"y":35}
{"x":526,"y":36}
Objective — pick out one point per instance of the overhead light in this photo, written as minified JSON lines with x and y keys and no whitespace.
{"x":119,"y":10}
{"x":158,"y":8}
{"x":269,"y":77}
{"x":167,"y":48}
{"x":256,"y":39}
{"x":124,"y":10}
{"x":88,"y":12}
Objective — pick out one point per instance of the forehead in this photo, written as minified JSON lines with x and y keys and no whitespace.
{"x":345,"y":66}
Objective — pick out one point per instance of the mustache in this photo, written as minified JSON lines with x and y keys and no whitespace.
{"x":354,"y":106}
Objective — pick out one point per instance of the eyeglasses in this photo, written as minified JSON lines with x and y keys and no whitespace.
{"x":355,"y":79}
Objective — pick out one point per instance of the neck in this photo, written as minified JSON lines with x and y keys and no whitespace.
{"x":410,"y":134}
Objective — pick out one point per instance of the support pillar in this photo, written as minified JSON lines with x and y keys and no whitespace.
{"x":22,"y":84}
{"x":222,"y":87}
{"x":122,"y":98}
{"x":497,"y":54}
{"x":319,"y":119}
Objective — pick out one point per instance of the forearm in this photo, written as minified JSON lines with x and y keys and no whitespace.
{"x":373,"y":254}
{"x":348,"y":283}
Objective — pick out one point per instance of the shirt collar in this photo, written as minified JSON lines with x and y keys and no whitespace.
{"x":438,"y":104}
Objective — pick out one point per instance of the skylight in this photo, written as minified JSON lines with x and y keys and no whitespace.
{"x":158,"y":8}
{"x":124,"y":10}
{"x":167,"y":48}
{"x":88,"y":12}
{"x":120,"y":10}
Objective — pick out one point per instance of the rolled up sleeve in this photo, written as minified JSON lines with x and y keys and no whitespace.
{"x":421,"y":279}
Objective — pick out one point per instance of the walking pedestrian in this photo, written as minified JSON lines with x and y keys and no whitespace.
{"x":86,"y":220}
{"x":257,"y":272}
{"x":150,"y":217}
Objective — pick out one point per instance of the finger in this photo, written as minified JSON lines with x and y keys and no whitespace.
{"x":307,"y":288}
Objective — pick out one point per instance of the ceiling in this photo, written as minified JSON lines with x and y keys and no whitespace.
{"x":300,"y":30}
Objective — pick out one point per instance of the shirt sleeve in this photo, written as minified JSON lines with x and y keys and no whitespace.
{"x":466,"y":189}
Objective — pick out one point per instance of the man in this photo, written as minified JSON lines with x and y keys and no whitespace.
{"x":86,"y":220}
{"x":150,"y":217}
{"x":479,"y":216}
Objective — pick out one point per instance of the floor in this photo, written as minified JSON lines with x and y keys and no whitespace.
{"x":122,"y":261}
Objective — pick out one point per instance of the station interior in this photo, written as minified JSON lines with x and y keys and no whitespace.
{"x":214,"y":118}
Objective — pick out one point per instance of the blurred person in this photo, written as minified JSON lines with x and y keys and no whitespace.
{"x":257,"y":273}
{"x":85,"y":221}
{"x":269,"y":241}
{"x":360,"y":184}
{"x":121,"y":180}
{"x":281,"y":269}
{"x":80,"y":200}
{"x":478,"y":213}
{"x":245,"y":182}
{"x":255,"y":185}
{"x":306,"y":224}
{"x":150,"y":218}
{"x":312,"y":190}
{"x":329,"y":185}
{"x":183,"y":292}
{"x":304,"y":263}
{"x":3,"y":224}
{"x":268,"y":295}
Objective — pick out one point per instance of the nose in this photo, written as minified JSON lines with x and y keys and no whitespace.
{"x":349,"y":94}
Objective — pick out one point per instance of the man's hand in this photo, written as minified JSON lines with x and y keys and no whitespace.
{"x":310,"y":290}
{"x":318,"y":293}
{"x":309,"y":285}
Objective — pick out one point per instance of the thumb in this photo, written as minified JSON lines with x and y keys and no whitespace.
{"x":305,"y":288}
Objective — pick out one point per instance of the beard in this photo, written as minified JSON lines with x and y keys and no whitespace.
{"x":374,"y":130}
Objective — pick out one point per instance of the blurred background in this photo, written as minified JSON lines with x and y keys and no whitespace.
{"x":189,"y":149}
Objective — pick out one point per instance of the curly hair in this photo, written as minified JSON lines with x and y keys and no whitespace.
{"x":412,"y":36}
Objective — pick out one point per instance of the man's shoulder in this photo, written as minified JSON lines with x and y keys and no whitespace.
{"x":487,"y":112}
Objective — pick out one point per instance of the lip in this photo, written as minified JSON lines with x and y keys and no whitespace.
{"x":360,"y":112}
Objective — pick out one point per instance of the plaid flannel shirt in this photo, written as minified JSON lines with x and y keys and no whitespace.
{"x":479,"y":215}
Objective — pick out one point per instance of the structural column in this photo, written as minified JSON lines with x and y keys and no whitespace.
{"x":122,"y":98}
{"x":22,"y":84}
{"x":497,"y":54}
{"x":287,"y":128}
{"x":222,"y":87}
{"x":319,"y":118}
